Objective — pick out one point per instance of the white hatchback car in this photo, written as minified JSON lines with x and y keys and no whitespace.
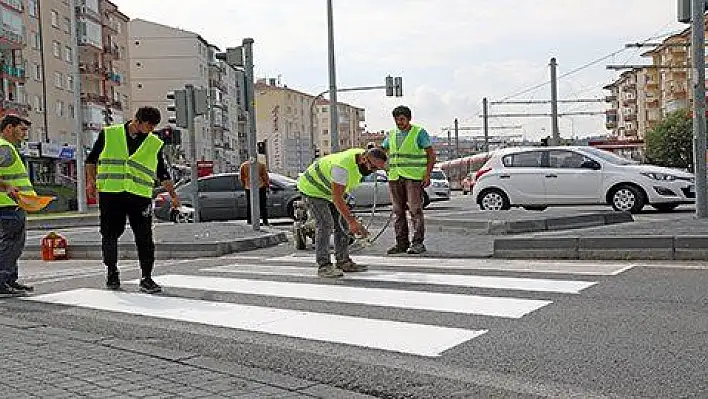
{"x":535,"y":178}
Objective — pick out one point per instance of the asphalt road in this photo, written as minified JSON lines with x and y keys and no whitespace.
{"x":409,"y":327}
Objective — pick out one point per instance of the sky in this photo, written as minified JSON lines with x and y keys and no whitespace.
{"x":450,"y":53}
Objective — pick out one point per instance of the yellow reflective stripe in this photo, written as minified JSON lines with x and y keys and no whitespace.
{"x":407,"y":164}
{"x":13,"y":176}
{"x":141,"y":181}
{"x":407,"y":155}
{"x":121,"y":176}
{"x":324,"y":185}
{"x":139,"y":167}
{"x":109,"y":161}
{"x":25,"y":188}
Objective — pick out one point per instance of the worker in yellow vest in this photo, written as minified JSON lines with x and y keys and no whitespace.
{"x":324,"y":185}
{"x":13,"y":220}
{"x":411,"y":160}
{"x":129,"y":158}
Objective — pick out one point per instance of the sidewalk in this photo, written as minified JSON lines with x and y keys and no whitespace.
{"x":47,"y":362}
{"x":172,"y":241}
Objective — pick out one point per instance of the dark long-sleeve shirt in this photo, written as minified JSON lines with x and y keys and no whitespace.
{"x":133,"y":145}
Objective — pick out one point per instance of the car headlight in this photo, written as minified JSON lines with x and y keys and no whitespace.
{"x":659,"y":176}
{"x":438,"y":184}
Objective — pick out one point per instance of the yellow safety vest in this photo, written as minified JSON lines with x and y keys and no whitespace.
{"x":120,"y":172}
{"x":15,"y":175}
{"x":317,"y":180}
{"x":409,"y":161}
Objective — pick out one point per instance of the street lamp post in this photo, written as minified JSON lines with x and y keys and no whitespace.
{"x":334,"y":120}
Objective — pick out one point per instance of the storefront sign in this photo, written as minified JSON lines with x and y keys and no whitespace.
{"x":54,"y":150}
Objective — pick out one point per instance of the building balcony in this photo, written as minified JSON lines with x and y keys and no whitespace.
{"x":629,"y":87}
{"x":13,"y":73}
{"x":95,"y":98}
{"x":10,"y":40}
{"x":111,"y":51}
{"x":110,"y":25}
{"x":94,"y":70}
{"x":14,"y":4}
{"x":15,"y":107}
{"x":631,"y":133}
{"x":219,"y":84}
{"x":112,"y":79}
{"x":629,"y":101}
{"x":653,"y":103}
{"x":610,"y":99}
{"x":91,"y":44}
{"x":630,"y":117}
{"x":83,"y":11}
{"x":611,"y":125}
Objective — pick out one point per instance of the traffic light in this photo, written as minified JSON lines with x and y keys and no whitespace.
{"x":201,"y":102}
{"x":394,"y":86}
{"x":233,"y":56}
{"x":684,"y":10}
{"x":317,"y":152}
{"x":178,"y":105}
{"x":165,"y":134}
{"x":389,"y":86}
{"x":107,"y":116}
{"x":261,"y":147}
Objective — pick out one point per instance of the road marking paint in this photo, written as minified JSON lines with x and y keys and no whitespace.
{"x":412,"y":338}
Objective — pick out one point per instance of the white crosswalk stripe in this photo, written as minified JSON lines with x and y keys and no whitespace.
{"x":410,"y":290}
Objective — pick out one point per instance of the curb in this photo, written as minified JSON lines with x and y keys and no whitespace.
{"x":604,"y":248}
{"x":167,"y":250}
{"x":65,"y":222}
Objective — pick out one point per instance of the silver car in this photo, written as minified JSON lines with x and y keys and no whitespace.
{"x":377,"y":184}
{"x":222,"y":197}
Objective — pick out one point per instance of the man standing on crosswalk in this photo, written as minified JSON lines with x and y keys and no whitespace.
{"x":324,"y":186}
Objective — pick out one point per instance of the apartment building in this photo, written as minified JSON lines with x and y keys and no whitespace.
{"x":13,"y":97}
{"x":164,"y":59}
{"x":290,"y":121}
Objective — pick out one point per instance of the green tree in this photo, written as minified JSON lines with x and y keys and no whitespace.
{"x":670,"y":143}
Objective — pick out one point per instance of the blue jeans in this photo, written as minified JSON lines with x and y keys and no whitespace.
{"x":12,"y":242}
{"x":328,"y":219}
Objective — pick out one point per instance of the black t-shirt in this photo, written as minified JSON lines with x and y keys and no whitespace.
{"x":133,"y":145}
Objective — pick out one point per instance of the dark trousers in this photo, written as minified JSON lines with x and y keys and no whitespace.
{"x":262,"y":204}
{"x":12,"y":242}
{"x":407,"y":194}
{"x":115,"y":208}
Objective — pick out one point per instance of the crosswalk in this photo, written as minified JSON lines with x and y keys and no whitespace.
{"x":391,"y":286}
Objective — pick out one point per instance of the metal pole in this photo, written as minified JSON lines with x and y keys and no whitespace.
{"x":193,"y":151}
{"x":78,"y":115}
{"x":485,"y":122}
{"x":449,"y":144}
{"x":333,"y":118}
{"x":699,"y":106}
{"x":252,"y":147}
{"x":554,"y":104}
{"x":457,"y":139}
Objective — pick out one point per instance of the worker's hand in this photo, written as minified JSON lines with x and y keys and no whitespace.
{"x":12,"y":191}
{"x":426,"y":181}
{"x":176,"y":203}
{"x":357,"y":229}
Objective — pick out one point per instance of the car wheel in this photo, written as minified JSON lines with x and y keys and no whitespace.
{"x":464,"y":192}
{"x":627,"y":198}
{"x":426,"y":200}
{"x":665,"y":207}
{"x":493,"y":200}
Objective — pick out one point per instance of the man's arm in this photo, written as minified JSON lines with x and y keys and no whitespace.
{"x":7,"y":158}
{"x":163,"y":175}
{"x":264,"y":174}
{"x":91,"y":161}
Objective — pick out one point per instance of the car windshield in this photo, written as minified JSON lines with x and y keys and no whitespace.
{"x":607,"y":156}
{"x":438,"y":175}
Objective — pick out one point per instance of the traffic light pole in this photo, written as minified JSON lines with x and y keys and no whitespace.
{"x":699,"y":106}
{"x":189,"y":89}
{"x":252,"y":140}
{"x":79,"y":153}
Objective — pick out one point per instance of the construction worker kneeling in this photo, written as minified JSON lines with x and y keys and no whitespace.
{"x":324,"y":186}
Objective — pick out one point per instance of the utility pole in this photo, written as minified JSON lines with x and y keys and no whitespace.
{"x":699,"y":106}
{"x":554,"y":104}
{"x":252,"y":141}
{"x":333,"y":117}
{"x":78,"y":115}
{"x":485,"y":122}
{"x":457,"y":138}
{"x":449,"y":144}
{"x":189,"y":91}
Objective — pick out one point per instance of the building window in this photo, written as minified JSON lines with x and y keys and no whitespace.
{"x":60,"y":109}
{"x":37,"y":102}
{"x":68,"y":54}
{"x":72,"y":114}
{"x":56,"y":49}
{"x":70,"y":83}
{"x":35,"y":40}
{"x":55,"y":19}
{"x":32,"y":7}
{"x":67,"y":25}
{"x":37,"y":72}
{"x":58,"y":80}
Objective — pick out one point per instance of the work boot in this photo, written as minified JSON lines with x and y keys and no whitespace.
{"x":329,"y":271}
{"x":416,"y":249}
{"x":20,"y":287}
{"x":397,"y":249}
{"x":350,"y":267}
{"x":113,"y":281}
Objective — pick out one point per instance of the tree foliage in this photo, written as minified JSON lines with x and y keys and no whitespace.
{"x":670,"y":143}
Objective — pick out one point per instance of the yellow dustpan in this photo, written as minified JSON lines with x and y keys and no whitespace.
{"x":33,"y":203}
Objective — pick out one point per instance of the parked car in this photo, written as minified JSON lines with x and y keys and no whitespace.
{"x":222,"y":197}
{"x":439,"y":188}
{"x":535,"y":178}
